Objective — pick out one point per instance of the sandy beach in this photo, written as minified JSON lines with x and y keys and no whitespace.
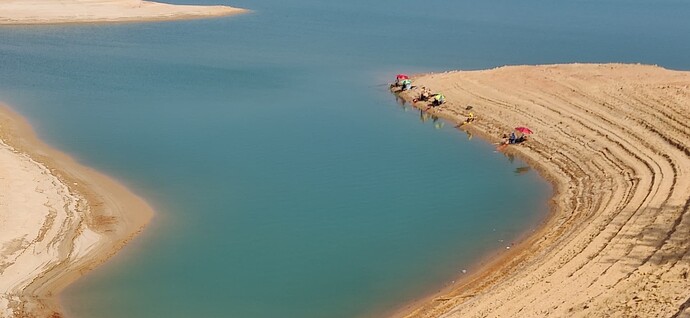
{"x":58,"y":218}
{"x":94,"y":11}
{"x":614,"y":141}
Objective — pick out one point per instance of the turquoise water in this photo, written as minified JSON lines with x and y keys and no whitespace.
{"x":289,"y":182}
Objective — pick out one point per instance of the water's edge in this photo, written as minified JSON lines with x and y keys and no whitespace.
{"x":106,"y":198}
{"x":493,"y":259}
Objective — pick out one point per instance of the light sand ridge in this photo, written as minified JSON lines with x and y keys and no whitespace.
{"x":39,"y":218}
{"x":58,"y":219}
{"x":95,"y":11}
{"x":614,"y":141}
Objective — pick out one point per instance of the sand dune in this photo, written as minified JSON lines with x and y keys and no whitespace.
{"x":614,"y":140}
{"x":57,"y":220}
{"x":90,"y":11}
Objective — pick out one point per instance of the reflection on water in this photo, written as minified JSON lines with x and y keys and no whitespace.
{"x":440,"y":123}
{"x":425,"y":116}
{"x":510,"y":156}
{"x":522,"y":170}
{"x":469,"y":134}
{"x":401,"y":101}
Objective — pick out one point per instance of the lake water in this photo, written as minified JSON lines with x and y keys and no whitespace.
{"x":288,"y":181}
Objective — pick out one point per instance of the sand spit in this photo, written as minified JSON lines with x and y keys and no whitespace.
{"x":93,"y":11}
{"x":58,"y":220}
{"x":615,"y":142}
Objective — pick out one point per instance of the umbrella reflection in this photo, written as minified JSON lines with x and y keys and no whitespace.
{"x":521,"y":170}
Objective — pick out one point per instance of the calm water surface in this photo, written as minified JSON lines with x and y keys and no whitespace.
{"x":289,"y":182}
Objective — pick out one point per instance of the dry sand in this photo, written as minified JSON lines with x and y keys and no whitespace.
{"x":58,"y":219}
{"x":614,"y":141}
{"x":90,"y":11}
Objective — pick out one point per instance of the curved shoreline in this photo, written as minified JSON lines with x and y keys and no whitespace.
{"x":613,"y":140}
{"x":29,"y":12}
{"x":65,"y":219}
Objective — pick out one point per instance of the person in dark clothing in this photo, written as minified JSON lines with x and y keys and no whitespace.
{"x":512,"y":138}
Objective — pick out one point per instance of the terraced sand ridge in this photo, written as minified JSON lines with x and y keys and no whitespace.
{"x":615,"y":142}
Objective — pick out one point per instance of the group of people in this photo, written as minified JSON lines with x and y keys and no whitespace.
{"x":437,"y":99}
{"x":513,"y":138}
{"x":405,"y":83}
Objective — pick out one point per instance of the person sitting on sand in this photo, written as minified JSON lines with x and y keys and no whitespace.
{"x":512,"y":138}
{"x":470,"y":118}
{"x":406,"y":84}
{"x":397,"y":83}
{"x":439,"y":99}
{"x":424,"y":96}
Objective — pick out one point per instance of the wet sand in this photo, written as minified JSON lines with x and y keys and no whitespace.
{"x":100,"y":11}
{"x":614,"y":141}
{"x":59,"y":219}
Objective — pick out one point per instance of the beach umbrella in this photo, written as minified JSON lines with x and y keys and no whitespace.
{"x":402,"y":76}
{"x":523,"y":130}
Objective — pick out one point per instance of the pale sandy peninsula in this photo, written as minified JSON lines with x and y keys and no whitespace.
{"x":58,"y":219}
{"x":94,"y":11}
{"x":614,"y":140}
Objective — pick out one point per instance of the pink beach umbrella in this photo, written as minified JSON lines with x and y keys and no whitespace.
{"x":402,"y":76}
{"x":523,"y":130}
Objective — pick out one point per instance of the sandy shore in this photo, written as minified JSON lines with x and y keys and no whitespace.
{"x":58,"y":219}
{"x":614,"y":141}
{"x":90,"y":11}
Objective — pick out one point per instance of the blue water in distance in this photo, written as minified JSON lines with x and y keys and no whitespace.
{"x":288,"y":181}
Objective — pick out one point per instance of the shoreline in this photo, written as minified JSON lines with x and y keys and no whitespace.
{"x":551,"y":271}
{"x":492,"y":260}
{"x":45,"y":12}
{"x":84,"y":219}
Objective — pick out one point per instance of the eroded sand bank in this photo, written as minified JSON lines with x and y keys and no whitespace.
{"x":614,"y":140}
{"x":91,"y":11}
{"x":58,"y":220}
